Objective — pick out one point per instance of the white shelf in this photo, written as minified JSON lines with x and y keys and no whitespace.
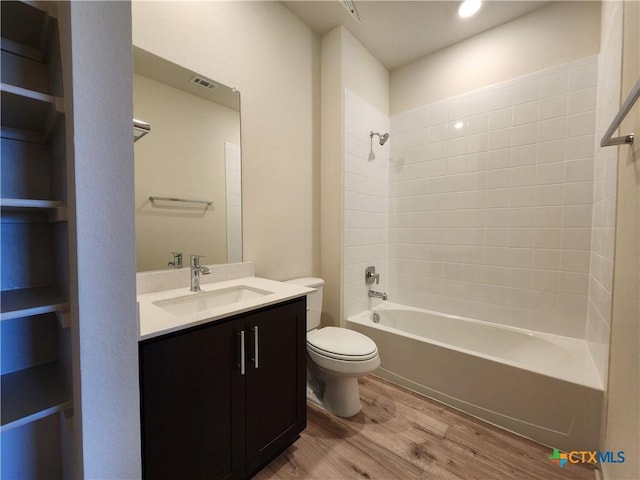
{"x":30,"y":203}
{"x":57,"y":210}
{"x":31,"y":394}
{"x":28,"y":115}
{"x":28,"y":36}
{"x":31,"y":94}
{"x":32,"y":301}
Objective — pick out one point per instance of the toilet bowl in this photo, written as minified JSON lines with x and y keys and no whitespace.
{"x":336,"y":358}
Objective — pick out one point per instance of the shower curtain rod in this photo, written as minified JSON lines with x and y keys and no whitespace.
{"x":607,"y":141}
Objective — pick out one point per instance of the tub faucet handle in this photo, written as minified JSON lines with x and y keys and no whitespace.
{"x":370,"y":275}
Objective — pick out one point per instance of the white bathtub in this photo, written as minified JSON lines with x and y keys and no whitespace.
{"x":542,"y":386}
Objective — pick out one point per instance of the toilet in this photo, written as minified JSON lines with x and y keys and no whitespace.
{"x":336,"y":358}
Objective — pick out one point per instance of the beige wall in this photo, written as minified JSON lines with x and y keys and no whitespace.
{"x":182,"y":157}
{"x":363,"y":74}
{"x":558,"y":33}
{"x":272,"y":58}
{"x":346,"y":64}
{"x":623,"y":421}
{"x":331,"y":181}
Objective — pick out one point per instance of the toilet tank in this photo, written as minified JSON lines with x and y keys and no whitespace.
{"x":314,"y":300}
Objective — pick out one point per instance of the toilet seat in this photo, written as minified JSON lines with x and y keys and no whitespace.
{"x":341,"y":344}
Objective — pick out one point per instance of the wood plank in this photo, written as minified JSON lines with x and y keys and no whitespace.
{"x":508,"y":454}
{"x":333,"y":448}
{"x":400,"y":435}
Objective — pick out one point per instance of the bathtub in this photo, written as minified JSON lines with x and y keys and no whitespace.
{"x":541,"y":386}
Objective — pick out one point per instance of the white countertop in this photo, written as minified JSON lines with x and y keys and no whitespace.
{"x":155,"y":321}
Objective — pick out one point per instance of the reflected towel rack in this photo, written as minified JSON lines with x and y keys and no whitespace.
{"x":607,"y":141}
{"x":182,"y":200}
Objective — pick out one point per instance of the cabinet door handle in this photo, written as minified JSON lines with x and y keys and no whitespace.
{"x":255,"y":346}
{"x":242,"y":352}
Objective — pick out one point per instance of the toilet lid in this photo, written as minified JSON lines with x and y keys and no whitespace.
{"x":341,"y":343}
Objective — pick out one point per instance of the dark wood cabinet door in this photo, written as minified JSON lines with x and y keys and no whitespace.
{"x":275,"y":381}
{"x":192,"y":402}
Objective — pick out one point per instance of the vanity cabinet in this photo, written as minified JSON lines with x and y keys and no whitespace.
{"x":220,"y":400}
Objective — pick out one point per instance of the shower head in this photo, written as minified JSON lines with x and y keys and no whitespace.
{"x":382,"y":137}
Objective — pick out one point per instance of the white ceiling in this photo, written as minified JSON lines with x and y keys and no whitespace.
{"x":398,"y":32}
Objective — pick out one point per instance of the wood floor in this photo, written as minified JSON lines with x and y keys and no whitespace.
{"x":400,"y":435}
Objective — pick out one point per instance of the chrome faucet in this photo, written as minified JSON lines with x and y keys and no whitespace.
{"x":196,"y":270}
{"x":177,"y":260}
{"x":373,"y":294}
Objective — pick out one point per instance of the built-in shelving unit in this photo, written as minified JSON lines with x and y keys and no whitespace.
{"x":35,"y":283}
{"x":31,"y":394}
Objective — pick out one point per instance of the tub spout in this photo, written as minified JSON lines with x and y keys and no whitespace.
{"x":382,"y":295}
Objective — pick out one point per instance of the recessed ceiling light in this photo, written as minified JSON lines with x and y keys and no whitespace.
{"x":458,"y":125}
{"x":469,"y":8}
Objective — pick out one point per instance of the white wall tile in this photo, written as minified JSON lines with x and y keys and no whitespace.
{"x":583,"y":75}
{"x":500,"y":118}
{"x":554,"y":84}
{"x":524,"y":155}
{"x":580,"y":193}
{"x":553,"y":107}
{"x":581,"y":124}
{"x":524,"y":134}
{"x":438,"y":113}
{"x":580,"y":147}
{"x":492,"y":219}
{"x":547,"y":238}
{"x":550,"y":195}
{"x":366,"y":197}
{"x":548,"y":173}
{"x":525,"y":113}
{"x":420,"y":118}
{"x":526,"y":91}
{"x":552,"y":129}
{"x":582,"y":101}
{"x":521,"y":176}
{"x":551,"y":151}
{"x":579,"y":170}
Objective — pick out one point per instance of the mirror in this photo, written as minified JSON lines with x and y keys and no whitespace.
{"x":188,"y":187}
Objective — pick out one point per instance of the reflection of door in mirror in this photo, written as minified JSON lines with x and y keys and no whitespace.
{"x":188,"y":168}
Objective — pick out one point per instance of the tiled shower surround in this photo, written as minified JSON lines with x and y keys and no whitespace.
{"x":490,"y":201}
{"x":366,"y":201}
{"x":604,"y":193}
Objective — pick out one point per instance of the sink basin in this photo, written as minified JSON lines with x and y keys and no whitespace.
{"x":200,"y":301}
